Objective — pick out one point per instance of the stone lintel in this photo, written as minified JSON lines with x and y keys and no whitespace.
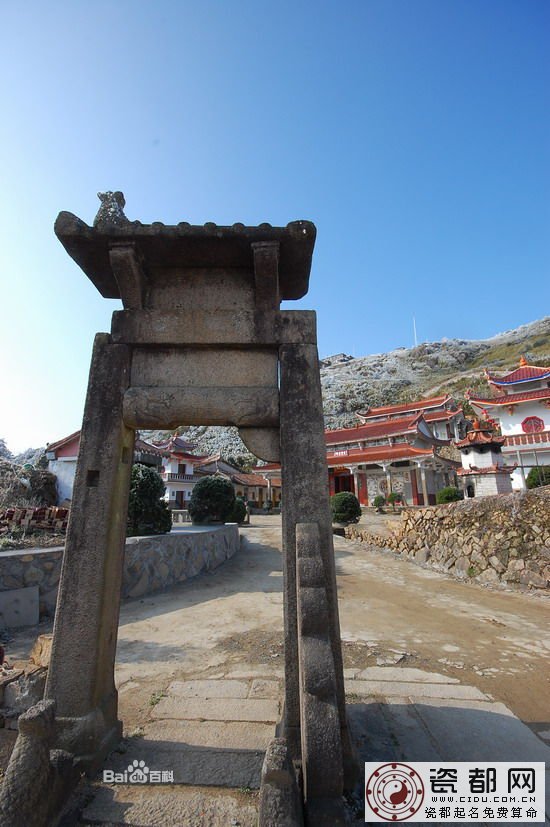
{"x":169,"y":407}
{"x":195,"y":327}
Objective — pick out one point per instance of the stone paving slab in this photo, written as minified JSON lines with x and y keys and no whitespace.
{"x":264,"y":689}
{"x":193,"y":765}
{"x":417,"y":689}
{"x":209,"y":689}
{"x":236,"y":735}
{"x":446,"y":729}
{"x":217,"y":709}
{"x":483,"y":730}
{"x":389,"y":673}
{"x":171,"y":807}
{"x":255,"y":671}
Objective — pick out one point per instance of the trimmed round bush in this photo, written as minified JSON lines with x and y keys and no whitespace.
{"x":538,"y":476}
{"x":345,"y":508}
{"x":450,"y":494}
{"x":147,"y":511}
{"x":212,"y":500}
{"x":239,"y":511}
{"x":395,"y":497}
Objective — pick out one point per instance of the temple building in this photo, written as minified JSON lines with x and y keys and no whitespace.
{"x":62,"y":457}
{"x":520,"y":404}
{"x":182,"y":469}
{"x":484,"y":471}
{"x":176,"y":463}
{"x":394,"y":448}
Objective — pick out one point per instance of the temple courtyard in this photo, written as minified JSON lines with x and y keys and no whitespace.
{"x":434,"y":667}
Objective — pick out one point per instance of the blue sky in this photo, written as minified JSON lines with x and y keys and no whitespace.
{"x":414,"y":133}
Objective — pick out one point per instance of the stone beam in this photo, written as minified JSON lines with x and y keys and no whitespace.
{"x":169,"y":407}
{"x":196,"y":327}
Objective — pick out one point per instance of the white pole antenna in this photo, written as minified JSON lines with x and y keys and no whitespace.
{"x":414,"y":329}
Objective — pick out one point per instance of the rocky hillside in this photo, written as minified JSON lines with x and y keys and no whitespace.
{"x":404,"y":374}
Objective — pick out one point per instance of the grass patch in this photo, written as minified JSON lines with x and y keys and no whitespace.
{"x":156,"y":697}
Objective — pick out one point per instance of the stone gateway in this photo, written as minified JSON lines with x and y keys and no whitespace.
{"x":202,"y":341}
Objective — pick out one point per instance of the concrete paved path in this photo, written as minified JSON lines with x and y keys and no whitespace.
{"x":435,"y":668}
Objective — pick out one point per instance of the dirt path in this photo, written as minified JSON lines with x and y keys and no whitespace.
{"x":498,"y":641}
{"x":229,"y":623}
{"x":392,"y":611}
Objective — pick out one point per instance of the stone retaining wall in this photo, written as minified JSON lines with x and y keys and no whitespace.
{"x":500,"y":539}
{"x":150,"y":563}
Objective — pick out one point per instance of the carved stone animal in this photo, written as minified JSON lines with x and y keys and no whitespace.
{"x":111,"y":212}
{"x":24,"y":799}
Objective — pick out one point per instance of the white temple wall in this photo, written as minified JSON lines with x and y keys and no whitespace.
{"x":511,"y":423}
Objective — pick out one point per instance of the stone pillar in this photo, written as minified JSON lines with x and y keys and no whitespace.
{"x":355,"y":474}
{"x":387,"y":471}
{"x":81,"y":673}
{"x":521,"y":472}
{"x":304,"y":479}
{"x":424,"y":484}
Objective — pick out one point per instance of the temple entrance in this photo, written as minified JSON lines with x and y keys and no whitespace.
{"x":201,"y":341}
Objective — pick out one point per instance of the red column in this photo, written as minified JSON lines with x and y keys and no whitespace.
{"x":362,"y":484}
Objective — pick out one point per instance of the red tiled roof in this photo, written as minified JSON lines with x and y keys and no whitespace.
{"x":479,"y":437}
{"x":372,"y":430}
{"x":391,"y":453}
{"x":175,"y":445}
{"x":509,"y":398}
{"x":53,"y":446}
{"x":405,"y":407}
{"x":148,"y":448}
{"x":525,"y":373}
{"x":249,"y":479}
{"x":490,"y":469}
{"x":438,"y":416}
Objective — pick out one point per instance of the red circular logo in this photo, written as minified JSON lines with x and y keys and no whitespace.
{"x":532,"y":425}
{"x":394,"y":792}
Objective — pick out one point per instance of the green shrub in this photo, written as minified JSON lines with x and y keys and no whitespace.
{"x":395,"y":497}
{"x":345,"y":508}
{"x":450,"y":494}
{"x":538,"y":476}
{"x":212,"y":500}
{"x":379,"y":502}
{"x":239,"y":511}
{"x":147,"y":511}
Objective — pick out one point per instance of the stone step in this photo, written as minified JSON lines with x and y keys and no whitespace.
{"x":217,"y":709}
{"x":170,"y":806}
